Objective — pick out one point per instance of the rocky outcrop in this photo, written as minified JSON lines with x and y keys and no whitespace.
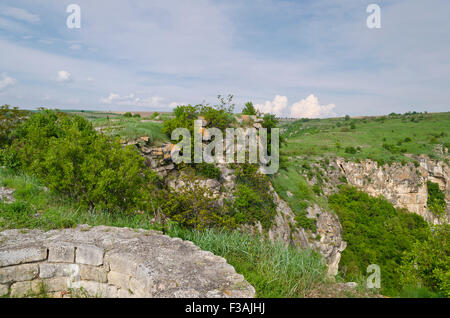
{"x":112,"y":262}
{"x":327,"y":240}
{"x":6,"y":195}
{"x":405,"y":186}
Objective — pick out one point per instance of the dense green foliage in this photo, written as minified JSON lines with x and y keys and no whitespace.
{"x":218,"y":116}
{"x":207,"y":170}
{"x":436,"y":199}
{"x":253,"y":201}
{"x":428,"y":262}
{"x":376,"y":233}
{"x":72,"y":159}
{"x":193,"y":206}
{"x":36,"y":207}
{"x":249,"y":109}
{"x":10,"y":118}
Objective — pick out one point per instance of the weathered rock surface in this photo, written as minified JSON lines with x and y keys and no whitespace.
{"x":6,"y":194}
{"x":113,"y":262}
{"x":405,"y":186}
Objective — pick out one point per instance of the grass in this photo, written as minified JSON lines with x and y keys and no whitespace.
{"x":384,"y":139}
{"x":126,"y":128}
{"x":131,"y":128}
{"x":302,"y":195}
{"x":275,"y":270}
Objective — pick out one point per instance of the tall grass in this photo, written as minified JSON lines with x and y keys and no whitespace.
{"x":275,"y":270}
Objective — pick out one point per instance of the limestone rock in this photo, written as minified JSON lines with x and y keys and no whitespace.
{"x":115,"y":262}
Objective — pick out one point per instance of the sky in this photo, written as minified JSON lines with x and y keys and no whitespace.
{"x":312,"y":58}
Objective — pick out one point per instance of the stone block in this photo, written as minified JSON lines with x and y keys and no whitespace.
{"x":122,"y":263}
{"x":49,"y":270}
{"x":95,"y":289}
{"x":89,"y":255}
{"x":21,"y":289}
{"x":3,"y":290}
{"x":119,"y":280}
{"x":97,"y":274}
{"x":56,"y":284}
{"x":61,"y":253}
{"x":22,"y":255}
{"x":18,"y":273}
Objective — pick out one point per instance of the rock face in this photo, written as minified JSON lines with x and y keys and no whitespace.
{"x":405,"y":186}
{"x":113,"y":262}
{"x":327,"y":240}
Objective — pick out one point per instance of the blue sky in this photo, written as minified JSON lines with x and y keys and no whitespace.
{"x":294,"y":58}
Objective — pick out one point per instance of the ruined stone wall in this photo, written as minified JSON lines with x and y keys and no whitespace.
{"x":112,"y":262}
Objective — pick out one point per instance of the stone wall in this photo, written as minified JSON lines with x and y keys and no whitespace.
{"x":112,"y":262}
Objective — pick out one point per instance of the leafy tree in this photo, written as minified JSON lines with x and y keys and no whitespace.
{"x":436,"y":199}
{"x":376,"y":233}
{"x":10,"y":118}
{"x":67,"y":154}
{"x":427,"y":262}
{"x":249,"y":109}
{"x":194,"y":206}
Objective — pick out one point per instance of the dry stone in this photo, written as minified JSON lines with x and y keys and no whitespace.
{"x":22,"y":255}
{"x":113,"y":262}
{"x":18,"y":273}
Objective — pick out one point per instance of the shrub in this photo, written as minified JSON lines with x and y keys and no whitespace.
{"x":193,"y":206}
{"x":208,"y":170}
{"x":253,"y":201}
{"x":10,"y":118}
{"x":128,"y":115}
{"x":436,"y":199}
{"x":67,"y":154}
{"x":376,"y":233}
{"x":137,"y":116}
{"x":249,"y":109}
{"x":350,"y":150}
{"x":219,"y":116}
{"x":427,"y":262}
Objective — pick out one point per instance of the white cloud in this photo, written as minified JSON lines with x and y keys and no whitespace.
{"x":305,"y":108}
{"x":132,"y":100}
{"x":276,"y":107}
{"x":64,"y":77}
{"x":6,"y":81}
{"x":20,"y":14}
{"x":310,"y":108}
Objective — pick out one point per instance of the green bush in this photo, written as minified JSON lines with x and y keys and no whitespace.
{"x":253,"y":201}
{"x":427,"y":263}
{"x":128,"y":115}
{"x":249,"y":109}
{"x":193,"y":206}
{"x":208,"y":170}
{"x":436,"y":199}
{"x":350,"y":150}
{"x":67,"y":154}
{"x":376,"y":233}
{"x":218,"y":116}
{"x":137,"y":116}
{"x":10,"y":118}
